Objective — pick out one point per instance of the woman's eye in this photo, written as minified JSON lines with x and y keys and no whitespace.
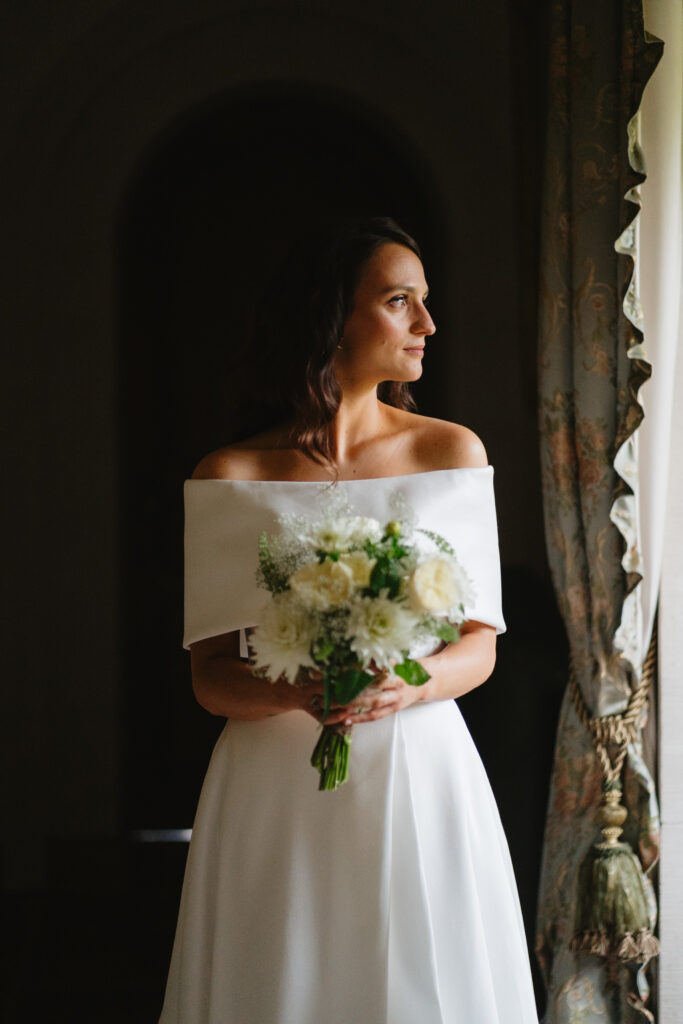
{"x":400,"y":299}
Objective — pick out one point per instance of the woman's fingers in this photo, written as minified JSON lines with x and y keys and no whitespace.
{"x":366,"y":706}
{"x":371,"y":715}
{"x":360,"y":710}
{"x":381,"y":697}
{"x":371,"y":693}
{"x":334,"y":718}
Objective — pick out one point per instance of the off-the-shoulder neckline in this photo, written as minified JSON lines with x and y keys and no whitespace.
{"x":351,"y":480}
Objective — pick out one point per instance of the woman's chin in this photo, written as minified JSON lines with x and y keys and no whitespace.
{"x":402,"y":376}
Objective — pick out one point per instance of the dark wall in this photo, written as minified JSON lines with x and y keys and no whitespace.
{"x":154,"y":159}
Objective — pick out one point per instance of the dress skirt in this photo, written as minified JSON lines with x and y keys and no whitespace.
{"x":391,"y":900}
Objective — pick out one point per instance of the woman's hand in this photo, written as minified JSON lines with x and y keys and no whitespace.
{"x":385,"y":696}
{"x":309,"y":695}
{"x":455,"y":669}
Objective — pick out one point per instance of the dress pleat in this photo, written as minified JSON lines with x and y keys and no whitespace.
{"x":388,"y":901}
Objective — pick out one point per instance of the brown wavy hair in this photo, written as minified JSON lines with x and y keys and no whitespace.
{"x":300,"y":323}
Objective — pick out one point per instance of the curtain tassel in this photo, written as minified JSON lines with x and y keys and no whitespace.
{"x":613,"y":919}
{"x":612,"y":911}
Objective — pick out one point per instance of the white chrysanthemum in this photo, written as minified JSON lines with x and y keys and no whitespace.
{"x":331,"y":534}
{"x":323,"y":585}
{"x":439,"y":585}
{"x":360,"y":567}
{"x":281,"y":642}
{"x":380,"y":629}
{"x":364,"y":528}
{"x":340,"y":533}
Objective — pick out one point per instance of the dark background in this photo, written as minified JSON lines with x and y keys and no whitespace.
{"x":156,"y":163}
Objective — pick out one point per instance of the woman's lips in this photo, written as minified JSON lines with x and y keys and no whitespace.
{"x":417,"y":348}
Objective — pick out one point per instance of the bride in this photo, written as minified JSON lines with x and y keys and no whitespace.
{"x":391,"y":900}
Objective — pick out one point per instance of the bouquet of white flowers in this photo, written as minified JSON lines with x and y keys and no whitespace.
{"x":350,"y":597}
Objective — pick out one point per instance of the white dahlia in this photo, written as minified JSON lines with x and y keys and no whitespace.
{"x":281,"y":643}
{"x":380,"y":629}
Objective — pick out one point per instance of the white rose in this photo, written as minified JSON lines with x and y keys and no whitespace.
{"x":439,"y":585}
{"x":323,"y":585}
{"x":360,"y":567}
{"x":281,"y":643}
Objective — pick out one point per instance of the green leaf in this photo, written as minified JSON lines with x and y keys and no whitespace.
{"x":378,"y":577}
{"x":386,"y":575}
{"x":322,"y":650}
{"x":412,"y":672}
{"x":350,"y":683}
{"x":446,"y":632}
{"x":393,"y":579}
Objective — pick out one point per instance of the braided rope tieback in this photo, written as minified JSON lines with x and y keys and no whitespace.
{"x":612,"y":911}
{"x":621,"y":729}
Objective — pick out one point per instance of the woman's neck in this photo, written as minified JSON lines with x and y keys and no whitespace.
{"x":360,"y":417}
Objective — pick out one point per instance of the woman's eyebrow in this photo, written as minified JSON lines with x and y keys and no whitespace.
{"x":401,"y":288}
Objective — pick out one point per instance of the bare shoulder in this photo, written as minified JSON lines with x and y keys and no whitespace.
{"x":224,"y":464}
{"x":440,"y":444}
{"x":245,"y":460}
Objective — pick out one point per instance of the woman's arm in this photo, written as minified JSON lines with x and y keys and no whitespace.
{"x":225,"y":685}
{"x":454,"y":670}
{"x":461,"y":666}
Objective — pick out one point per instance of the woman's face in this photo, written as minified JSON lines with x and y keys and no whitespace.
{"x":384,"y":336}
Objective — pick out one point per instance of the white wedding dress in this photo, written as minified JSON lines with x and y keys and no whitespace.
{"x":388,"y":901}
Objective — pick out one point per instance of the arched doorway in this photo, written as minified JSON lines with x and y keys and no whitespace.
{"x":207,"y":214}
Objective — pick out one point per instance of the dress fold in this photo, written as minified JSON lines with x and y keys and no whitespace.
{"x":412,"y":971}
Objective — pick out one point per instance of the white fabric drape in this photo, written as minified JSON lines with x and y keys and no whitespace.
{"x":661,"y":285}
{"x":659,"y":267}
{"x":224,"y":518}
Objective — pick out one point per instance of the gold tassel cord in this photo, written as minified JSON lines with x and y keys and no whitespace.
{"x":616,"y":730}
{"x":612,"y":918}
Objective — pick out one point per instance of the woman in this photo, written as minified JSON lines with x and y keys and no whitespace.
{"x":391,"y":900}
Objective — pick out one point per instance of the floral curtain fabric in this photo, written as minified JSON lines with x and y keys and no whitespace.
{"x":591,"y":366}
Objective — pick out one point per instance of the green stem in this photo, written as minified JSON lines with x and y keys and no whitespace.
{"x":331,"y":756}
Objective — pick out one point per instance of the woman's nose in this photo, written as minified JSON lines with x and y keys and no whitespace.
{"x":425,"y":324}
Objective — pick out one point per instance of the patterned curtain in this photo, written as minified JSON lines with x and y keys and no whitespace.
{"x":591,"y":366}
